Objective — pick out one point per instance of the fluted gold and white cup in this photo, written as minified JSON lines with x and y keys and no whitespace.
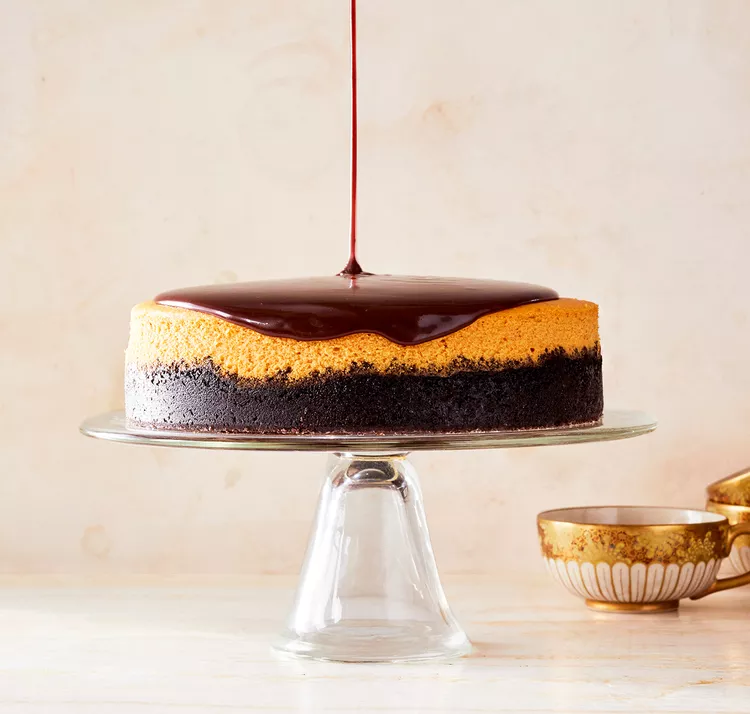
{"x":734,"y":489}
{"x":739,"y":558}
{"x":638,"y":558}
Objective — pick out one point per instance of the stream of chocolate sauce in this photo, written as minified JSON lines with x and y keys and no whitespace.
{"x":408,"y":310}
{"x":353,"y":267}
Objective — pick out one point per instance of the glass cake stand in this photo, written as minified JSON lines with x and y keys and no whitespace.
{"x":369,"y":589}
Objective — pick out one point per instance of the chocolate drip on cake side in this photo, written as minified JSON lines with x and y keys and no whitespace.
{"x":405,"y":309}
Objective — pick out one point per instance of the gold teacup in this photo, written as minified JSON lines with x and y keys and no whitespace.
{"x":740,"y":555}
{"x":734,"y":489}
{"x":638,"y":559}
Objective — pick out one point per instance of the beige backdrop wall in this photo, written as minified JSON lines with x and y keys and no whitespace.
{"x":602,"y":148}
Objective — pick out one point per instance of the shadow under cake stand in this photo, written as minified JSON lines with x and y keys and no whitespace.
{"x":369,"y":590}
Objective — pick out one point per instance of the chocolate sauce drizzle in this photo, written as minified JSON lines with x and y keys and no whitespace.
{"x":353,"y":267}
{"x":405,"y":309}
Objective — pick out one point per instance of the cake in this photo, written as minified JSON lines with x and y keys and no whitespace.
{"x":364,"y":354}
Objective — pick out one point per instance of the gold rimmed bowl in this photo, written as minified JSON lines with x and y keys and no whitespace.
{"x":639,"y":559}
{"x":734,"y":489}
{"x":739,"y":558}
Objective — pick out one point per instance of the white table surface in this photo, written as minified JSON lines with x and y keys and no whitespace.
{"x":160,"y":646}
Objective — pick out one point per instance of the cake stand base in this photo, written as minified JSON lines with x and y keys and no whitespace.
{"x":369,"y":589}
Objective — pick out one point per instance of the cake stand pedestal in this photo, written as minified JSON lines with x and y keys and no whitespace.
{"x":369,"y":589}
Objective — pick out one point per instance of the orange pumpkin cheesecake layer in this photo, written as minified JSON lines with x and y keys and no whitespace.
{"x":170,"y":336}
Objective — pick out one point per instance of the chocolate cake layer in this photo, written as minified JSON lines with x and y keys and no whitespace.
{"x":556,"y":390}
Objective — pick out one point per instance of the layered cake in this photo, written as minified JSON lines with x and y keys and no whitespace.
{"x":363,"y":354}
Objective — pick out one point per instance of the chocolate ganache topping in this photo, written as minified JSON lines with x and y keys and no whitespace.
{"x":407,"y":310}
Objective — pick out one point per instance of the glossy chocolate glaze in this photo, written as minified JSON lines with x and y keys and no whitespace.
{"x":407,"y":310}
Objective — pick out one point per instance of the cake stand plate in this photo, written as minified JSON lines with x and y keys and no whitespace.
{"x":369,"y":589}
{"x":616,"y":424}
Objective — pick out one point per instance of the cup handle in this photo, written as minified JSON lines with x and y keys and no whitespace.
{"x":735,"y":581}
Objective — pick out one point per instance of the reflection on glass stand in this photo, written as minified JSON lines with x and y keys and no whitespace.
{"x":369,"y":589}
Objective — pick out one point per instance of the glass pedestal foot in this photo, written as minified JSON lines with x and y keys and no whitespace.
{"x":369,"y":589}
